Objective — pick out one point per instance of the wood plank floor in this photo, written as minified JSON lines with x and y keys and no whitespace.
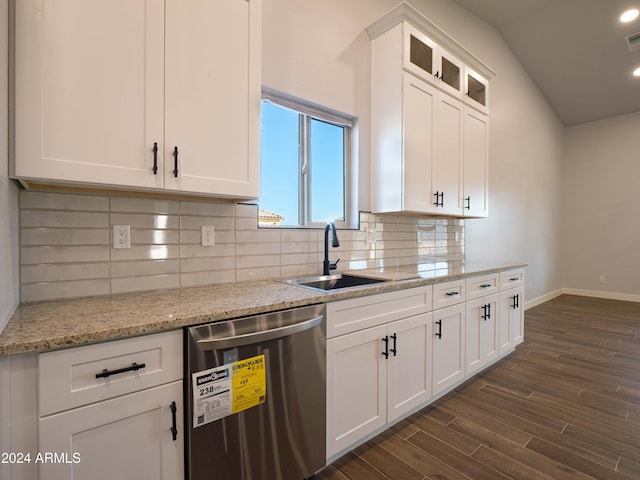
{"x":565,"y":405}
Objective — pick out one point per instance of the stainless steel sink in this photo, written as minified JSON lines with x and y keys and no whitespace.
{"x":333,"y":282}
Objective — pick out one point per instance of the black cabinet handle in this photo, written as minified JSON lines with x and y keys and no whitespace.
{"x":442,"y":199}
{"x":439,"y":332}
{"x":106,"y":373}
{"x":155,"y":158}
{"x":484,"y":312}
{"x":468,"y":200}
{"x":514,"y":279}
{"x":485,"y":285}
{"x":437,"y":202}
{"x":174,"y":427}
{"x":175,"y":162}
{"x":452,"y":294}
{"x":516,"y":301}
{"x":394,"y":349}
{"x":488,"y":310}
{"x":386,"y":347}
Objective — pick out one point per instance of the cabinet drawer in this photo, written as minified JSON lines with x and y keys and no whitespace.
{"x":67,"y":378}
{"x":448,"y":293}
{"x":511,"y":278}
{"x":355,"y":314}
{"x":484,"y":285}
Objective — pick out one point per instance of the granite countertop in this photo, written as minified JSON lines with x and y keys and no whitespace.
{"x":42,"y":326}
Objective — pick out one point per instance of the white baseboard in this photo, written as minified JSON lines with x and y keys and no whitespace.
{"x":628,"y":297}
{"x":543,"y":298}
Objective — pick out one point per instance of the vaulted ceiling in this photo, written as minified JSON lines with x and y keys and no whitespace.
{"x":574,"y":50}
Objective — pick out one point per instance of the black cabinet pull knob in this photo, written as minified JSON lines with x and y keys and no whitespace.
{"x":155,"y":158}
{"x":386,"y":347}
{"x":394,"y":349}
{"x":174,"y":423}
{"x":175,"y":162}
{"x":439,"y":332}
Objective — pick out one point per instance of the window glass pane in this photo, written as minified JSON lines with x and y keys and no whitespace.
{"x":327,"y":154}
{"x":279,"y":166}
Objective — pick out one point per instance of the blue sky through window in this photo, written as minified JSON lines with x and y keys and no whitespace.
{"x":280,"y":166}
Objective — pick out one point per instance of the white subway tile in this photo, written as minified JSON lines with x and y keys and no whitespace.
{"x":144,"y":267}
{"x":208,"y":278}
{"x":145,"y":252}
{"x":56,"y":218}
{"x":146,"y":220}
{"x":204,"y":264}
{"x":64,"y":236}
{"x":61,"y":272}
{"x":139,"y":284}
{"x":62,"y":201}
{"x":211,"y":209}
{"x":144,"y":205}
{"x":35,"y":292}
{"x":63,"y":254}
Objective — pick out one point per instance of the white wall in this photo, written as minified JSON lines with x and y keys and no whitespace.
{"x":8,"y":191}
{"x":601,"y":200}
{"x":320,"y":51}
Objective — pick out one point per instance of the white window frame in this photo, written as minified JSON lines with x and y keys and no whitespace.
{"x":308,"y":112}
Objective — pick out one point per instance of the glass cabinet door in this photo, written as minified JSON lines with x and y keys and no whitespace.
{"x":450,"y":73}
{"x":419,"y":53}
{"x":476,"y":91}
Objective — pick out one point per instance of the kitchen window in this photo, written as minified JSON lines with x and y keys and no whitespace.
{"x":305,"y":164}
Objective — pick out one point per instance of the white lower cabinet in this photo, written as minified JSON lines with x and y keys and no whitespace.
{"x":511,"y":319}
{"x":378,"y":362}
{"x":112,"y":410}
{"x":375,"y":376}
{"x":481,"y":333}
{"x":448,"y":353}
{"x":126,"y":437}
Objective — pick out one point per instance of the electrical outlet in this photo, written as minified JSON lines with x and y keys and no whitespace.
{"x":121,"y":236}
{"x":207,"y":236}
{"x":603,"y":279}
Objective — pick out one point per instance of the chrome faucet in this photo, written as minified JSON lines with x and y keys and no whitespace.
{"x":326,"y":265}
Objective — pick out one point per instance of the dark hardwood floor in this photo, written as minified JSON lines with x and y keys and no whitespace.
{"x":565,"y":405}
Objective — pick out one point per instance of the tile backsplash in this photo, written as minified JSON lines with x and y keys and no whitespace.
{"x":65,"y":244}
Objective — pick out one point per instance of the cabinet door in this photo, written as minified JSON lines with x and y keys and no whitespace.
{"x":448,"y":154}
{"x":448,"y":347}
{"x":511,"y":319}
{"x":356,"y":387}
{"x":481,"y":345}
{"x":213,"y":96}
{"x":89,"y":91}
{"x":476,"y":91}
{"x":419,"y":103}
{"x":476,"y":163}
{"x":409,"y":369}
{"x":127,"y":437}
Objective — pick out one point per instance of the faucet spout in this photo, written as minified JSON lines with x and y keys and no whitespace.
{"x":326,"y":265}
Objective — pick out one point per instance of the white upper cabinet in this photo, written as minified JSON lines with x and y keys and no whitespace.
{"x":106,"y":89}
{"x":475,"y":178}
{"x":429,"y":122}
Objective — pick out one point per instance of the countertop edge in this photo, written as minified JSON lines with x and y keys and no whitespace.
{"x":13,"y":342}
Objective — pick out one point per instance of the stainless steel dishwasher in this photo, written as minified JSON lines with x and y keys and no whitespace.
{"x":255,"y":396}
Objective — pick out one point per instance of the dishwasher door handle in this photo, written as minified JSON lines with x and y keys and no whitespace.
{"x":257,"y":337}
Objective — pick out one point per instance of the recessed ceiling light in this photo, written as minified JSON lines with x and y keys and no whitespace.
{"x":636,"y":72}
{"x":629,"y":15}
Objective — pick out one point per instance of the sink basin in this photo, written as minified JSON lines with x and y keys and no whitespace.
{"x":332,"y":282}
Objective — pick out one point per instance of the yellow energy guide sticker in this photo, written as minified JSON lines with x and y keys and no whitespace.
{"x":231,"y":388}
{"x":248,"y":380}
